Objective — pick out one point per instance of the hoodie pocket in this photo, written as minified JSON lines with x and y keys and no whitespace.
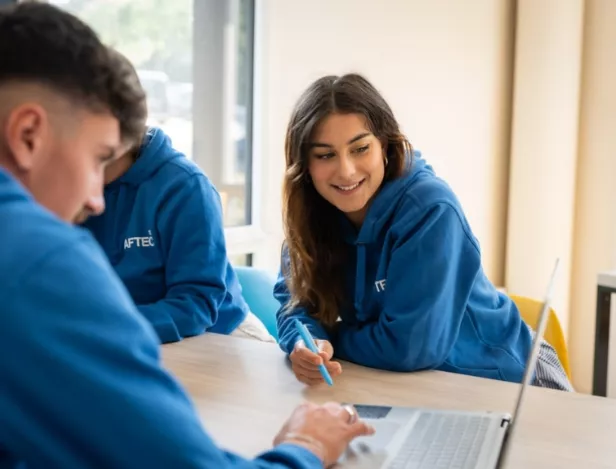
{"x":490,"y":373}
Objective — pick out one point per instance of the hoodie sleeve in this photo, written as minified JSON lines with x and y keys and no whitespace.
{"x":84,"y":388}
{"x":429,"y":280}
{"x":287,"y":334}
{"x":191,"y":233}
{"x":282,"y":457}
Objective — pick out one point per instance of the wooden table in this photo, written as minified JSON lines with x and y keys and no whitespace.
{"x":244,"y":390}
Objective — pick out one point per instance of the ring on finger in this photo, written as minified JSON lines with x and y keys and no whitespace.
{"x":352,"y":413}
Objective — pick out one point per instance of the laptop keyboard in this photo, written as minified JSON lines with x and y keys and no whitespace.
{"x":443,"y":441}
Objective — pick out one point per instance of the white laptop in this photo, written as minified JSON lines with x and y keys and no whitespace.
{"x":417,"y":438}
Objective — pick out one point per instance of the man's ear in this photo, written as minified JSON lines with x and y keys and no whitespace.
{"x":25,"y":129}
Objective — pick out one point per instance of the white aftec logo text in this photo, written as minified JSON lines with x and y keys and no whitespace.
{"x":139,"y":241}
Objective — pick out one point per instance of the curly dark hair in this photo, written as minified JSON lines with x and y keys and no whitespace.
{"x":40,"y":43}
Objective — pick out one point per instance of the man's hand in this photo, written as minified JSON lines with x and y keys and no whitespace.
{"x":324,"y":430}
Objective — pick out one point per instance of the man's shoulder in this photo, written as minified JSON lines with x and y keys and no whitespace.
{"x":28,"y":234}
{"x":53,"y":267}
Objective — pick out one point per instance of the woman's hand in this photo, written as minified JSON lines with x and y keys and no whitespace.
{"x":305,"y":364}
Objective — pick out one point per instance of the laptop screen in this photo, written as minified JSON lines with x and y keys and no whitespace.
{"x":531,"y":362}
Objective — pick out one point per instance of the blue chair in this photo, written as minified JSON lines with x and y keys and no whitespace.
{"x":258,"y":291}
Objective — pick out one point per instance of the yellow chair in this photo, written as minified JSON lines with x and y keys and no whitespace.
{"x":530,"y":310}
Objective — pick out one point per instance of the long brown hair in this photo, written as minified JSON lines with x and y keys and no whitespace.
{"x":317,"y":253}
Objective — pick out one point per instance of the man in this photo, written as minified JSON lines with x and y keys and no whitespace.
{"x":82,"y":385}
{"x":162,"y":231}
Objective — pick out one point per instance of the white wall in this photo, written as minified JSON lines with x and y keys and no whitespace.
{"x":548,"y":58}
{"x":443,"y":65}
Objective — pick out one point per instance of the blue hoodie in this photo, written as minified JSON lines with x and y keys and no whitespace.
{"x":82,"y":385}
{"x":162,"y":231}
{"x":420,"y":299}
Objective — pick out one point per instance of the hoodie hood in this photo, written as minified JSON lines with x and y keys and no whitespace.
{"x":155,"y":150}
{"x":385,"y":202}
{"x":379,"y":217}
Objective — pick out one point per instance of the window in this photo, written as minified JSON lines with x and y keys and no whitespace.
{"x":244,"y":260}
{"x":195,"y":61}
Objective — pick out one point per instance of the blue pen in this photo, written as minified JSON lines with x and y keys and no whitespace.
{"x":309,"y":341}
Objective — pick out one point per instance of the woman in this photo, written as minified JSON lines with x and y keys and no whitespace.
{"x":379,"y":261}
{"x":162,"y":231}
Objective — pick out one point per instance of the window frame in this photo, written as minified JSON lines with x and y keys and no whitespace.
{"x":251,"y":239}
